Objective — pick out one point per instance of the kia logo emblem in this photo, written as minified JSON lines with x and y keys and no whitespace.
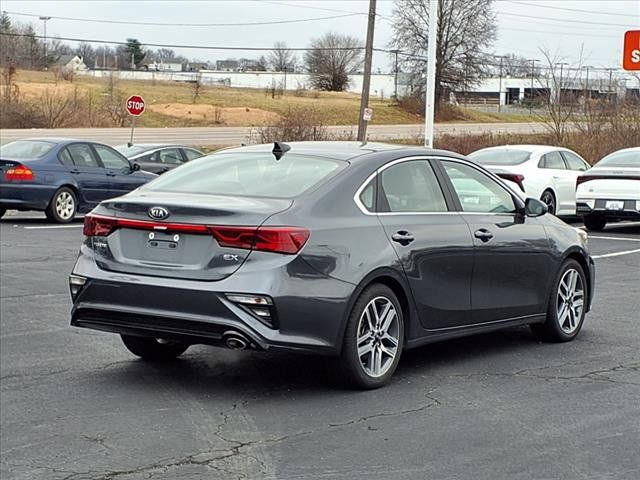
{"x":158,"y":213}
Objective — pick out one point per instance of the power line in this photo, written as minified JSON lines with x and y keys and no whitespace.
{"x":299,"y":5}
{"x":593,"y":12}
{"x":575,"y":34}
{"x":566,"y":20}
{"x":159,"y":24}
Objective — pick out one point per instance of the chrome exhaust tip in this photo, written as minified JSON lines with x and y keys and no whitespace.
{"x":235,"y":341}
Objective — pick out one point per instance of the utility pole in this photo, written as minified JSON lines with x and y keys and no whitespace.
{"x":609,"y":87}
{"x":133,"y":65}
{"x":533,"y":72}
{"x":366,"y":81}
{"x":395,"y":73}
{"x":559,"y":94}
{"x":45,"y":20}
{"x":500,"y":86}
{"x":430,"y":98}
{"x":587,"y":91}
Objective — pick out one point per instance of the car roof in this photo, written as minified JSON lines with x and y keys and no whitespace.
{"x":339,"y":150}
{"x":58,"y":140}
{"x":151,"y":146}
{"x":526,"y":147}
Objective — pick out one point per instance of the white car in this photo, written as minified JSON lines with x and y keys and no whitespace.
{"x":539,"y":171}
{"x":610,"y":191}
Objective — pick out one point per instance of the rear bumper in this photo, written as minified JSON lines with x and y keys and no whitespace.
{"x":25,"y":196}
{"x":199,"y":312}
{"x":631,"y":210}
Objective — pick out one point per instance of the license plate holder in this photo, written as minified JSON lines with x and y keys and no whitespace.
{"x":614,"y":205}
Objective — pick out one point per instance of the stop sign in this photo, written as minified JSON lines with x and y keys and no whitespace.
{"x":135,"y":105}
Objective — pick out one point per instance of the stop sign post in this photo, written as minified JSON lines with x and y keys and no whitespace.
{"x":135,"y":107}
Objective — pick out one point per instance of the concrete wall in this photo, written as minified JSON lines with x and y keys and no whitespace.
{"x":381,"y":84}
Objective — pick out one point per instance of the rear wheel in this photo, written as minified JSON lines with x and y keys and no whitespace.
{"x":567,"y":305}
{"x":155,"y":349}
{"x":373,"y":339}
{"x":549,"y":199}
{"x":63,"y":206}
{"x":595,"y":223}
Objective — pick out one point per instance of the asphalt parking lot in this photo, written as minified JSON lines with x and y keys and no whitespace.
{"x":76,"y":405}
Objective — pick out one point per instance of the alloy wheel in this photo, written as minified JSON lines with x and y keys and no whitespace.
{"x":65,"y":205}
{"x":547,"y":198}
{"x":570,"y":302}
{"x":378,"y":333}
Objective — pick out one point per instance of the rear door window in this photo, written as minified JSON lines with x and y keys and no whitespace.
{"x":552,"y":160}
{"x":82,"y":155}
{"x":412,"y":187}
{"x":65,"y":157}
{"x":191,"y":154}
{"x":170,"y":156}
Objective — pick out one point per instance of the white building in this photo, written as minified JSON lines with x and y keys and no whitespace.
{"x":71,"y":63}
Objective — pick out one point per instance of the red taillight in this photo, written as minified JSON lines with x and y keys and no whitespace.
{"x":97,"y":226}
{"x":267,"y":239}
{"x":19,"y":173}
{"x":585,"y":178}
{"x":514,"y":177}
{"x":581,"y":179}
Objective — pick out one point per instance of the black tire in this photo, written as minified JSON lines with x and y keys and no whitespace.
{"x":153,"y":349}
{"x":549,"y":199}
{"x":595,"y":223}
{"x":63,"y":206}
{"x":553,"y":329}
{"x":350,"y":368}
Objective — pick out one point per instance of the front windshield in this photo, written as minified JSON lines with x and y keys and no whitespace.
{"x":500,"y":157}
{"x":26,"y":149}
{"x":621,"y":159}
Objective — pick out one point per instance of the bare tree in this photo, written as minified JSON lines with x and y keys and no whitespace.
{"x":332,"y":58}
{"x":465,"y":29}
{"x":196,"y":88}
{"x":281,"y":58}
{"x":514,"y":66}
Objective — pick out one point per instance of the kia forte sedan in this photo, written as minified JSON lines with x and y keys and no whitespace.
{"x":356,"y":252}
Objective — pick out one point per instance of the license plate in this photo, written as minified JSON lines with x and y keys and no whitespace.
{"x":614,"y":205}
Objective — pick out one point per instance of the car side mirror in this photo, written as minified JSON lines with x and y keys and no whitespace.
{"x":135,"y":167}
{"x":534,"y":207}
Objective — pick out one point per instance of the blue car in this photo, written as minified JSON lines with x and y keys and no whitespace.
{"x":62,"y":177}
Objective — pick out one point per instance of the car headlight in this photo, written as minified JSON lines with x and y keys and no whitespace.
{"x":583,"y":235}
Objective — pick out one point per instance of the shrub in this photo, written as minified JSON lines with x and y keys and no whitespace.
{"x":296,"y":124}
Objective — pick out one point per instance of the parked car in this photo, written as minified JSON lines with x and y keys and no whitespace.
{"x":331,"y":248}
{"x":539,"y":171}
{"x":158,"y":158}
{"x":610,"y":191}
{"x":62,"y":177}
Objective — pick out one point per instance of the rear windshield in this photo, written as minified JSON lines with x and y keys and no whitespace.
{"x":629,"y":159}
{"x":130,"y":151}
{"x":500,"y":157}
{"x":255,"y":175}
{"x":26,"y":149}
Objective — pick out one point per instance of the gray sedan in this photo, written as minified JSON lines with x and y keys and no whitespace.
{"x":356,"y":252}
{"x":158,"y":158}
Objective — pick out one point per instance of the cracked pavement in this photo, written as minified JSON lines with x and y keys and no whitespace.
{"x":75,"y":405}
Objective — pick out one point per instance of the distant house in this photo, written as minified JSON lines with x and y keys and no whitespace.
{"x":162,"y":66}
{"x":195,"y":66}
{"x":71,"y":63}
{"x":228,"y":65}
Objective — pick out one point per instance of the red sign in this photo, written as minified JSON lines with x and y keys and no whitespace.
{"x":135,"y":105}
{"x":631,"y":56}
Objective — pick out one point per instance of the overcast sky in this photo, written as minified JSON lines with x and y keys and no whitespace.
{"x":598,"y":27}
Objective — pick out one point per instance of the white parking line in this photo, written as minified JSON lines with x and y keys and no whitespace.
{"x":616,"y":238}
{"x":54,"y":226}
{"x":616,"y":254}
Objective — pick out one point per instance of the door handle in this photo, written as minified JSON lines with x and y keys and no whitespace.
{"x":555,"y":177}
{"x":483,"y":234}
{"x":111,"y":174}
{"x":403,"y":237}
{"x":75,"y":171}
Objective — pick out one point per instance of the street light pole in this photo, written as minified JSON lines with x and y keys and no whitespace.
{"x":366,"y":81}
{"x":500,"y":86}
{"x":395,"y":72}
{"x":533,"y":72}
{"x":562,"y":64}
{"x":45,"y":20}
{"x":430,"y":98}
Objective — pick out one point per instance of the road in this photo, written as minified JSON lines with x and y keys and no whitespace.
{"x":76,"y":405}
{"x":238,"y":135}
